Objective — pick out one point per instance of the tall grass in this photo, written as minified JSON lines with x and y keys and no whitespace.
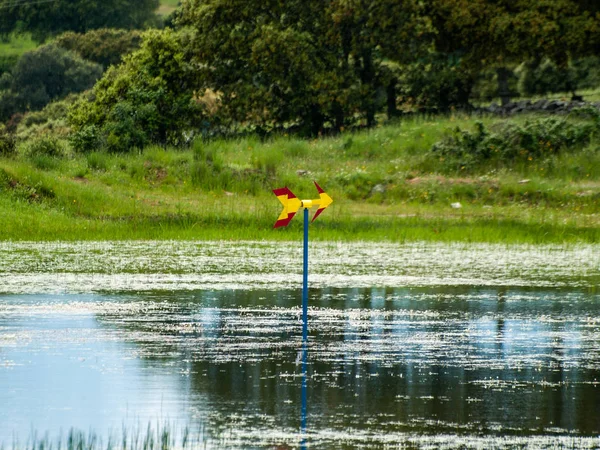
{"x":386,"y":184}
{"x":162,"y":437}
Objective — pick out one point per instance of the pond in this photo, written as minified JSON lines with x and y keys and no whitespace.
{"x":418,"y":345}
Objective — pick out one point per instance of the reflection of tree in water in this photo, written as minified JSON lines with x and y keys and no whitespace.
{"x":240,"y":349}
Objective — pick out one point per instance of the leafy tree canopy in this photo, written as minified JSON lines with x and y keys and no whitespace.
{"x":104,"y":46}
{"x":45,"y":19}
{"x":43,"y":75}
{"x":301,"y":62}
{"x":150,"y":97}
{"x":501,"y":32}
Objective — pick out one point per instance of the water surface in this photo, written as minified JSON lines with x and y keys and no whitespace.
{"x":417,"y":345}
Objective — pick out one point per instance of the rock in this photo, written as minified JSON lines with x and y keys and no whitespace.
{"x":544,"y":105}
{"x":378,"y":189}
{"x":456,"y":205}
{"x":552,"y":105}
{"x":494,"y":108}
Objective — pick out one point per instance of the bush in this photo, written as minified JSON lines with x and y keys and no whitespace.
{"x":45,"y":146}
{"x":105,"y":46}
{"x":124,"y":130}
{"x":7,"y":62}
{"x":52,"y":112}
{"x":511,"y":142}
{"x":45,"y":74}
{"x":86,"y":139}
{"x":8,"y":142}
{"x":586,"y":72}
{"x":50,"y":121}
{"x":147,"y":99}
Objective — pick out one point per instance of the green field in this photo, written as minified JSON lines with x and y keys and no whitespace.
{"x":385,"y":182}
{"x":167,"y":6}
{"x":12,"y":48}
{"x":16,"y":45}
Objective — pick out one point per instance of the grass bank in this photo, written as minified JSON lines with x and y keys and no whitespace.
{"x":387,"y":184}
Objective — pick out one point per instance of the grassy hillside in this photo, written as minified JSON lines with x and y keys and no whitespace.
{"x":386,"y":184}
{"x":167,"y":7}
{"x":12,"y":48}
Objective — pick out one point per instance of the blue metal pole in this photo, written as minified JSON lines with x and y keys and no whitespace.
{"x":304,"y":334}
{"x":305,"y":281}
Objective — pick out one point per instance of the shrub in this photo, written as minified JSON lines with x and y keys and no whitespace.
{"x":50,"y":121}
{"x":7,"y":62}
{"x":8,"y":142}
{"x":45,"y":146}
{"x":486,"y":86}
{"x":45,"y":74}
{"x":123,"y":128}
{"x":86,"y":139}
{"x":512,"y":142}
{"x":149,"y":98}
{"x":105,"y":46}
{"x":53,"y":111}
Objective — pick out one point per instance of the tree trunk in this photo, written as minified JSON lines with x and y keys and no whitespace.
{"x":503,"y":88}
{"x":316,"y":120}
{"x":338,"y":116}
{"x":368,"y":80}
{"x":392,"y":110}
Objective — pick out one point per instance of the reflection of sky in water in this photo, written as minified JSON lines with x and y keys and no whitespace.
{"x":426,"y":365}
{"x":62,"y":372}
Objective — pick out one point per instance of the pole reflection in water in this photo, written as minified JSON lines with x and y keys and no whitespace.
{"x":303,"y":411}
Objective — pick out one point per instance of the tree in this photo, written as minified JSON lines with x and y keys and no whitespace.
{"x":150,"y":97}
{"x":105,"y":46}
{"x":373,"y":34}
{"x":503,"y":33}
{"x":303,"y":63}
{"x":42,"y":75}
{"x":45,"y":19}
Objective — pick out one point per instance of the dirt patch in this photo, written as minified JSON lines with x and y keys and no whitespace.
{"x":154,"y":173}
{"x":443,"y":180}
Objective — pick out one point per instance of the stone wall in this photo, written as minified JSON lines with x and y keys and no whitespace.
{"x":546,"y":106}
